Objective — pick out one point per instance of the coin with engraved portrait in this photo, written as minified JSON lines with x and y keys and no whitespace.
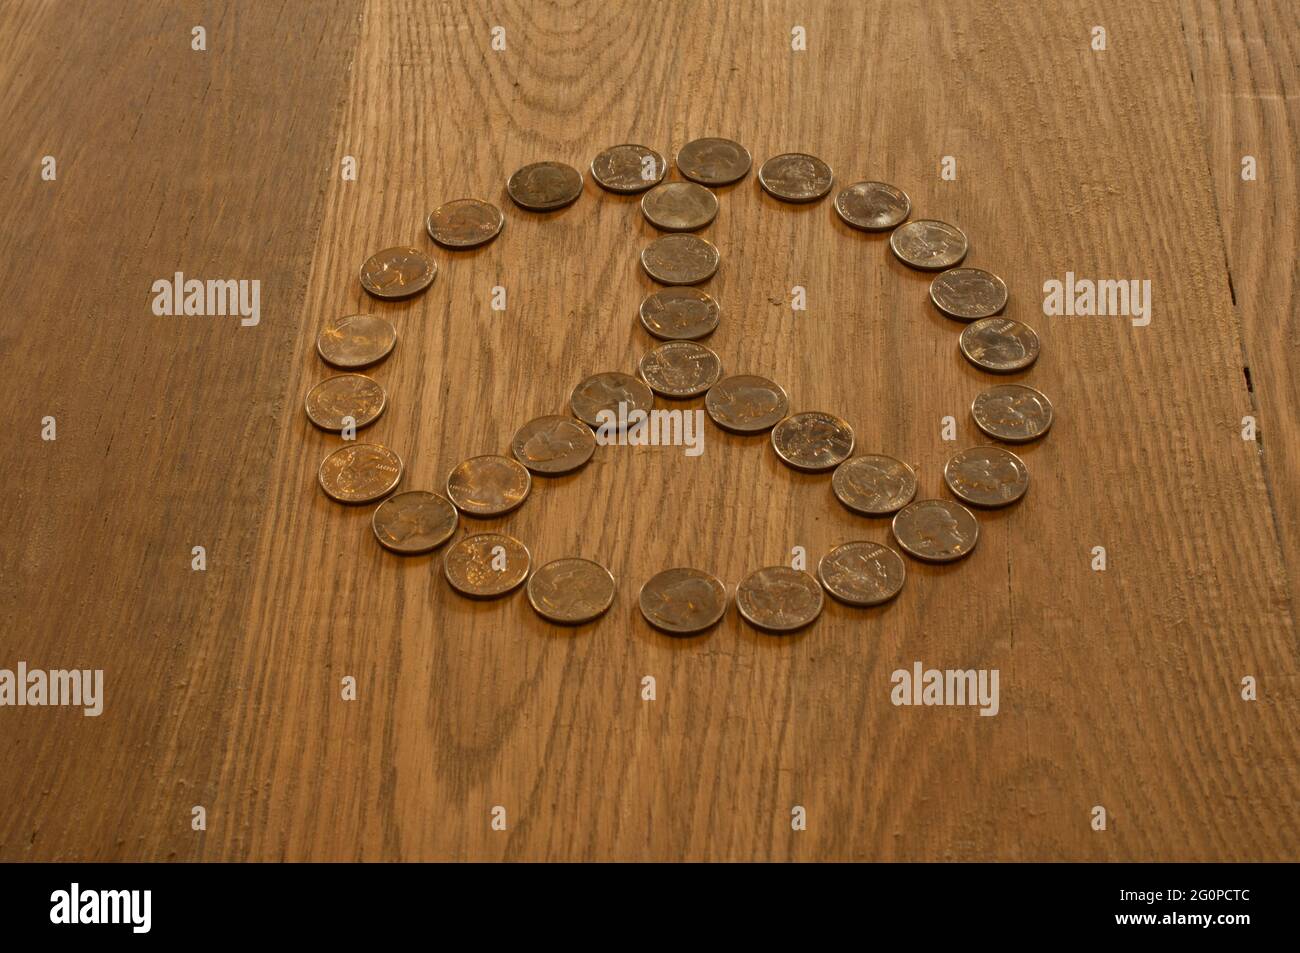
{"x":680,"y":259}
{"x":683,"y":601}
{"x":779,"y":599}
{"x":1000,"y":345}
{"x":344,"y":398}
{"x":680,"y":369}
{"x":571,"y":591}
{"x":611,"y":395}
{"x":795,"y":177}
{"x":488,"y":485}
{"x":712,"y":161}
{"x":679,"y":314}
{"x":873,"y":206}
{"x":862,"y":573}
{"x":968,"y":294}
{"x":628,"y":168}
{"x":936,"y":531}
{"x":360,"y":473}
{"x":812,"y":441}
{"x":746,"y":403}
{"x":986,"y":476}
{"x":397,"y":272}
{"x":416,"y":521}
{"x":874,"y":484}
{"x":356,"y":340}
{"x":679,"y":206}
{"x":464,"y":223}
{"x":486,"y":565}
{"x":543,"y":186}
{"x":1013,"y":413}
{"x":553,"y":444}
{"x":928,"y":245}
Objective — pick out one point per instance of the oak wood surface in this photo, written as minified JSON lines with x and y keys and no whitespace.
{"x":1118,"y":688}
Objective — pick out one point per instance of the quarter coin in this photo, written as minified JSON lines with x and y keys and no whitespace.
{"x":812,"y":441}
{"x":416,"y":521}
{"x":680,"y":260}
{"x":928,"y":245}
{"x":360,"y":473}
{"x":1000,"y":345}
{"x":544,"y":186}
{"x":490,"y":485}
{"x":873,"y":206}
{"x":464,"y":223}
{"x":713,"y":161}
{"x":936,"y":531}
{"x":571,"y":591}
{"x":331,"y":402}
{"x":679,"y":206}
{"x":486,"y":565}
{"x":795,"y":177}
{"x":746,"y":403}
{"x":986,"y":476}
{"x":356,"y":340}
{"x":679,"y":314}
{"x":397,"y":272}
{"x":683,"y":601}
{"x":553,"y":444}
{"x":628,"y":168}
{"x":611,"y":391}
{"x":968,"y":294}
{"x":862,"y":573}
{"x":1013,"y":413}
{"x":874,"y":484}
{"x":779,"y":599}
{"x":681,"y":369}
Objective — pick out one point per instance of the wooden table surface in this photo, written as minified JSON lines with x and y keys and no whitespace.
{"x":1119,"y":688}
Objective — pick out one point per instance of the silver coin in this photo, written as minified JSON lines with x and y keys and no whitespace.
{"x":1013,"y":413}
{"x":680,"y":369}
{"x":607,"y":399}
{"x":929,"y":245}
{"x":1000,"y":345}
{"x":936,"y":531}
{"x":988,"y":477}
{"x":679,"y":206}
{"x":968,"y":294}
{"x":680,"y":314}
{"x":628,"y":168}
{"x":862,"y":573}
{"x":795,"y":177}
{"x":873,"y":206}
{"x":680,"y":260}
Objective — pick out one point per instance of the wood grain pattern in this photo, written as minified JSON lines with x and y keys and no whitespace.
{"x":1118,"y":688}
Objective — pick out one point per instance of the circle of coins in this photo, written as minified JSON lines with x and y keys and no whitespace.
{"x":346,"y":398}
{"x":968,"y":294}
{"x":553,"y":444}
{"x":611,"y":395}
{"x":795,"y":177}
{"x":356,"y":340}
{"x":988,"y":477}
{"x":1013,"y":413}
{"x":544,"y":186}
{"x":999,"y":345}
{"x":862,"y":573}
{"x":746,"y":403}
{"x":779,"y":599}
{"x":714,"y":161}
{"x":486,"y":565}
{"x":628,"y":168}
{"x":874,"y":484}
{"x":680,"y":369}
{"x":928,"y":245}
{"x":873,"y":206}
{"x":360,"y":473}
{"x":679,"y":314}
{"x":680,"y":259}
{"x":488,"y":485}
{"x":397,"y":272}
{"x":812,"y":441}
{"x":679,"y":206}
{"x":683,"y":601}
{"x":464,"y":223}
{"x":936,"y":531}
{"x":571,"y":591}
{"x":413,"y":522}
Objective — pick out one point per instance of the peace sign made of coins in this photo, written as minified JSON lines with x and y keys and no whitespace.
{"x":685,"y":600}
